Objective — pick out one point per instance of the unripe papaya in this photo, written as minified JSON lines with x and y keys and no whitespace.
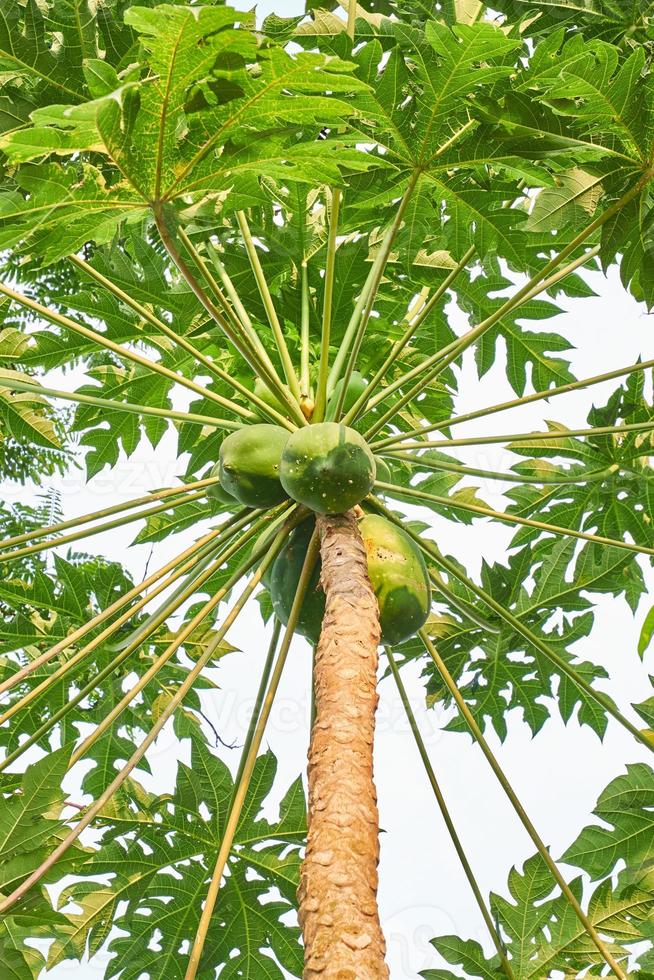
{"x":284,"y":578}
{"x":384,"y":474}
{"x":399,"y":577}
{"x":269,"y":397}
{"x":328,"y":467}
{"x":356,"y":387}
{"x":249,"y":464}
{"x":216,"y":491}
{"x":397,"y":573}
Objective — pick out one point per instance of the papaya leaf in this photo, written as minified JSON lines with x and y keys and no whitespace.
{"x":646,"y":632}
{"x":165,"y":877}
{"x":625,"y":807}
{"x":25,"y":415}
{"x":29,"y":826}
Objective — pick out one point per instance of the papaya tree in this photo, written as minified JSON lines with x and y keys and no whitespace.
{"x":271,"y":245}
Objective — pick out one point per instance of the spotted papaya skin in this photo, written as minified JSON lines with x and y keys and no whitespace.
{"x":249,"y":465}
{"x":328,"y":467}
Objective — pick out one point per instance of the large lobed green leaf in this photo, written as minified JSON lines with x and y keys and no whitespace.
{"x":159,"y":853}
{"x":543,"y":934}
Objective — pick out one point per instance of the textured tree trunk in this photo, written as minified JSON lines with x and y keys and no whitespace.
{"x":338,"y":883}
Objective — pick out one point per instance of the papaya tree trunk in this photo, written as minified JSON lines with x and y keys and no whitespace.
{"x":338,"y":881}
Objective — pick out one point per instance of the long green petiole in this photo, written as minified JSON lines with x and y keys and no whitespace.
{"x":438,"y":361}
{"x":258,"y":701}
{"x":414,"y":493}
{"x":435,"y":365}
{"x":519,"y":809}
{"x":88,"y":688}
{"x":237,"y":314}
{"x":269,"y":306}
{"x":366,"y":302}
{"x":237,"y":317}
{"x":325,"y":337}
{"x":110,"y":610}
{"x":250,"y":760}
{"x":193,"y":558}
{"x":240,"y":311}
{"x":110,"y":405}
{"x":108,"y":526}
{"x":413,"y":325}
{"x":449,"y":823}
{"x":414,"y":311}
{"x":178,"y":339}
{"x":68,"y":324}
{"x":195,"y":577}
{"x":96,"y":808}
{"x":467,"y":610}
{"x":69,"y":665}
{"x":320,"y":406}
{"x":186,"y":631}
{"x":166,"y":611}
{"x":95,"y":515}
{"x":351,"y":17}
{"x":528,"y":399}
{"x":270,"y":517}
{"x":507,"y":477}
{"x":238,"y":336}
{"x":305,"y":339}
{"x":602,"y":430}
{"x":451,"y":569}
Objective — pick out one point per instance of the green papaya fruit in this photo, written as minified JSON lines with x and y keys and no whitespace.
{"x":384,"y":474}
{"x":397,"y":571}
{"x":216,"y":491}
{"x":284,"y":578}
{"x":399,"y":577}
{"x":328,"y":467}
{"x":269,"y":397}
{"x":249,"y":464}
{"x":356,"y":387}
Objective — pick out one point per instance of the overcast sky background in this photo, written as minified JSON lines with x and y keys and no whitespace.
{"x":558,"y":775}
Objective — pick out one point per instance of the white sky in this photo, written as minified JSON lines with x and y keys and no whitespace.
{"x":558,"y":775}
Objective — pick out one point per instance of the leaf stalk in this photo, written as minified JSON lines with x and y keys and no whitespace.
{"x":451,"y":569}
{"x":356,"y":328}
{"x":413,"y":325}
{"x":239,"y":338}
{"x":178,"y":339}
{"x":327,"y":303}
{"x":269,"y":305}
{"x":68,"y":324}
{"x":96,"y":808}
{"x":519,"y":809}
{"x":110,"y":405}
{"x":438,"y":362}
{"x":414,"y":493}
{"x":191,"y":558}
{"x":250,"y":760}
{"x":447,"y":818}
{"x":601,"y":430}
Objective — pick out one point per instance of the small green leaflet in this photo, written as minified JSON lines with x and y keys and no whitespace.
{"x":29,"y":828}
{"x":24,"y":415}
{"x":646,"y":633}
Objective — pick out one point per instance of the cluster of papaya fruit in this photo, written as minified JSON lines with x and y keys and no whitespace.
{"x":397,"y":574}
{"x":328,"y":468}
